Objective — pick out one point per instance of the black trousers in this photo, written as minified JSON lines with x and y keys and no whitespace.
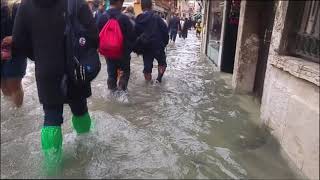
{"x":53,"y":113}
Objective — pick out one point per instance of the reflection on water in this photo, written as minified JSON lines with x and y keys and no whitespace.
{"x":190,"y":126}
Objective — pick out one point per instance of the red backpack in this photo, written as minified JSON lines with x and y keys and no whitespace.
{"x":111,"y":40}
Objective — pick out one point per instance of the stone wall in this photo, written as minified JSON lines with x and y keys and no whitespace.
{"x":291,"y":110}
{"x":290,"y":102}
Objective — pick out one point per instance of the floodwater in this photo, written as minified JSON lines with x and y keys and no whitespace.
{"x":190,"y":126}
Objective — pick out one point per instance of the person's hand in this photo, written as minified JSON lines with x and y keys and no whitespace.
{"x":7,"y":41}
{"x":6,"y":48}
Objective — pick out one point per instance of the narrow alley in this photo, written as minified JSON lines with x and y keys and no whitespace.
{"x":190,"y":126}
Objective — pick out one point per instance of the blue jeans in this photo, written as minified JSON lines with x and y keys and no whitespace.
{"x":53,"y":113}
{"x":122,"y":65}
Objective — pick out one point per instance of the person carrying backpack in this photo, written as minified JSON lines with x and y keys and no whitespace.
{"x":39,"y":33}
{"x":117,"y":39}
{"x":152,"y":39}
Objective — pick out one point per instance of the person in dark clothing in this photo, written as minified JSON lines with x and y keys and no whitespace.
{"x":174,"y":27}
{"x":160,"y":38}
{"x":129,"y":11}
{"x":38,"y":33}
{"x":190,"y":23}
{"x":99,"y":12}
{"x":184,"y":31}
{"x":13,"y":69}
{"x":119,"y":70}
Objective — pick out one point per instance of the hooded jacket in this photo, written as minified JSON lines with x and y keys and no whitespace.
{"x":161,"y":35}
{"x":38,"y":33}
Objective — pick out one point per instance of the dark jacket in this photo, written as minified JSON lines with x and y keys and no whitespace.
{"x":6,"y":21}
{"x":38,"y":32}
{"x":98,"y":15}
{"x":162,"y":34}
{"x":125,"y":25}
{"x":174,"y":24}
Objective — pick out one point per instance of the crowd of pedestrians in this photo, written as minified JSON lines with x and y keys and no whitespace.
{"x":63,"y":38}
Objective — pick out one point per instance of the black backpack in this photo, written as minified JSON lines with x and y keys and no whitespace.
{"x":82,"y":60}
{"x":147,"y":38}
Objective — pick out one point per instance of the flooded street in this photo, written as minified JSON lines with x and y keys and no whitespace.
{"x":190,"y":126}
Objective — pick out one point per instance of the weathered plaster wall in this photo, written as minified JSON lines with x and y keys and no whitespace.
{"x":246,"y":56}
{"x":290,"y":102}
{"x":291,"y":110}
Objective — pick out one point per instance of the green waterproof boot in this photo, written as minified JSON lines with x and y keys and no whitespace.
{"x":82,"y":123}
{"x":51,"y":141}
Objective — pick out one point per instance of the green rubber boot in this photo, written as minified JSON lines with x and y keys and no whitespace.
{"x":51,"y":141}
{"x":82,"y":123}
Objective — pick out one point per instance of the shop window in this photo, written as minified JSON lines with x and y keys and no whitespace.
{"x":215,"y":29}
{"x":303,"y":40}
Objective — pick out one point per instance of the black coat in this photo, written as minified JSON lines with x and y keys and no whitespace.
{"x":38,"y":32}
{"x":7,"y":19}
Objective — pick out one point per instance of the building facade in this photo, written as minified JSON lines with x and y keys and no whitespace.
{"x":275,"y":58}
{"x":162,"y":7}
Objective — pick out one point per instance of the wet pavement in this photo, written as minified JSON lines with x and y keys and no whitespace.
{"x":190,"y":126}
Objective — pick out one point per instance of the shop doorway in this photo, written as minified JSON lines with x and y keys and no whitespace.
{"x":267,"y":13}
{"x":230,"y":35}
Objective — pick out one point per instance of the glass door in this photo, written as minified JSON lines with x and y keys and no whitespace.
{"x":215,"y":29}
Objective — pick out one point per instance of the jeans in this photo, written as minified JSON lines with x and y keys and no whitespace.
{"x":53,"y":113}
{"x":148,"y":58}
{"x":113,"y":66}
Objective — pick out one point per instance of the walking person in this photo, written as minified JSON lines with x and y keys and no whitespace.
{"x":174,"y":27}
{"x":189,"y":23}
{"x":39,"y":33}
{"x":91,"y":6}
{"x":184,"y":30}
{"x":198,"y":28}
{"x":13,"y":67}
{"x":152,"y":39}
{"x":99,"y":12}
{"x":117,"y":38}
{"x":182,"y":21}
{"x":129,"y":11}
